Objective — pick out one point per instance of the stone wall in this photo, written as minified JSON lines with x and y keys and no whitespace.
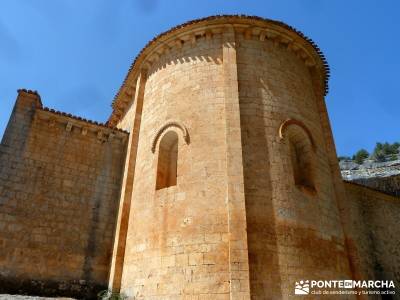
{"x":294,"y":231}
{"x":389,"y":185}
{"x":177,"y":241}
{"x":235,"y":203}
{"x":381,"y":176}
{"x":252,"y":200}
{"x":369,"y":168}
{"x":59,"y":188}
{"x":374,"y":233}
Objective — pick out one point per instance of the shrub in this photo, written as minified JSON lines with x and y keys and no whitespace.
{"x":360,"y":156}
{"x":381,"y":151}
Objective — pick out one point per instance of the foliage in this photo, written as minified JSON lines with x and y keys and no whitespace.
{"x":382,"y":151}
{"x":360,"y":156}
{"x":110,"y":295}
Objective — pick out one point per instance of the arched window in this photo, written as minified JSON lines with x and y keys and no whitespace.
{"x":301,"y":159}
{"x":301,"y":152}
{"x":167,"y":161}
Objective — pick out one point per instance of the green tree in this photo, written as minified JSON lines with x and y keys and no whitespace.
{"x":386,"y":150}
{"x":379,"y":152}
{"x":382,"y":152}
{"x":360,"y":156}
{"x":394,"y":148}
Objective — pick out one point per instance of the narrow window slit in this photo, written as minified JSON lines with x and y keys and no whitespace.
{"x":167,"y":161}
{"x":301,"y":165}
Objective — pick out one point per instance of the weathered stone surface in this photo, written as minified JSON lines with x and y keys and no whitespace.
{"x":374,"y":234}
{"x":235,"y":225}
{"x":227,"y":187}
{"x":381,"y":176}
{"x":58,"y":197}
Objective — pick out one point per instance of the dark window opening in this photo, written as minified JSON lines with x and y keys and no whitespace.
{"x":301,"y":160}
{"x":167,"y":161}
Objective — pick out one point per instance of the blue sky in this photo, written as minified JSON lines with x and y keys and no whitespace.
{"x":76,"y":53}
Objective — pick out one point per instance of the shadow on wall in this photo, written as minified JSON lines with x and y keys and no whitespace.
{"x":265,"y":277}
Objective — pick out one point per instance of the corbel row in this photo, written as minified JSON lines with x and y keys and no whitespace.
{"x":291,"y":42}
{"x":125,"y":99}
{"x":177,"y":42}
{"x":164,"y":48}
{"x":280,"y":39}
{"x":103,"y":134}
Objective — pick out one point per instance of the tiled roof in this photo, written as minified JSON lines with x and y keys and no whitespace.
{"x":67,"y":114}
{"x":81,"y":119}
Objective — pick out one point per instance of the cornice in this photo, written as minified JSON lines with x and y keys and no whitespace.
{"x":83,"y":120}
{"x":250,"y":26}
{"x":103,"y":132}
{"x":53,"y":115}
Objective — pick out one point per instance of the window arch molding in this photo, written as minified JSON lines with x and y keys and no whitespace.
{"x":283,"y":127}
{"x":301,"y":151}
{"x":174,"y":124}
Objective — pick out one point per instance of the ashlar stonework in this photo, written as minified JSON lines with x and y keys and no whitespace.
{"x":215,"y":177}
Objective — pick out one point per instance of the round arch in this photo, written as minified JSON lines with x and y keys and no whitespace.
{"x":162,"y":129}
{"x":283,"y":127}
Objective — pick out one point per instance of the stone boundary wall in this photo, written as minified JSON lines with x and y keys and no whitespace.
{"x":388,"y":185}
{"x":59,"y":190}
{"x":374,"y":233}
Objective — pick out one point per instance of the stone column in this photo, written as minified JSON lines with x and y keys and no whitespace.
{"x":126,"y":189}
{"x":235,"y":197}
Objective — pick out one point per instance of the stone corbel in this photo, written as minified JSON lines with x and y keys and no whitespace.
{"x":130,"y":90}
{"x":68,"y":127}
{"x":52,"y":122}
{"x":111,"y":136}
{"x":101,"y":137}
{"x":262,"y":36}
{"x":166,"y":49}
{"x":193,"y":39}
{"x":208,"y":35}
{"x":179,"y":43}
{"x":309,"y":62}
{"x":154,"y":57}
{"x":285,"y":40}
{"x":146,"y":65}
{"x":248,"y":33}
